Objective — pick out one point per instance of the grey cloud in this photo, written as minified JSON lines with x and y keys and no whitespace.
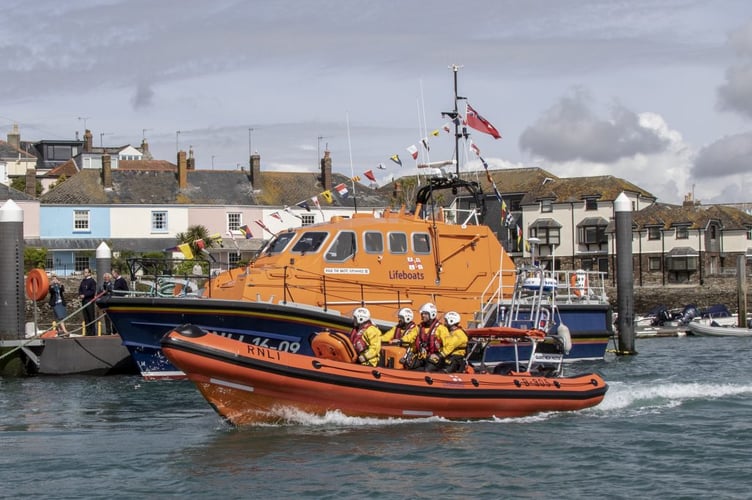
{"x":741,"y":39}
{"x":143,"y":97}
{"x":736,"y":94}
{"x":729,"y":155}
{"x":570,"y":130}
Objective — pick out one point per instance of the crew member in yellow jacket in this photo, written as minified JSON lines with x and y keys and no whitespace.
{"x":365,"y":337}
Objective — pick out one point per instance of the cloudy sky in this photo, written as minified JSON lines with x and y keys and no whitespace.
{"x":658,"y":92}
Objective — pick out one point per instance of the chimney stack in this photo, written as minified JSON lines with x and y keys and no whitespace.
{"x":326,"y":170}
{"x":255,"y":171}
{"x":191,"y":160}
{"x":88,"y":141}
{"x":182,"y":170}
{"x":106,"y":172}
{"x":31,"y":182}
{"x":145,"y":150}
{"x":14,"y":137}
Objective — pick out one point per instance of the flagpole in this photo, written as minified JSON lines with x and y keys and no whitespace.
{"x":352,"y":172}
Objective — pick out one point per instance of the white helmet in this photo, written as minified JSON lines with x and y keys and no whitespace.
{"x":452,"y":318}
{"x":428,"y":308}
{"x":361,"y":315}
{"x":405,"y":314}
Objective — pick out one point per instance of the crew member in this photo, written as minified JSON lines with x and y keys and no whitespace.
{"x":365,"y":337}
{"x":451,"y":355}
{"x":425,"y":340}
{"x":405,"y":325}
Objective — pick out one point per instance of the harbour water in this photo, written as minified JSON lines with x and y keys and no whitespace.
{"x":676,"y":423}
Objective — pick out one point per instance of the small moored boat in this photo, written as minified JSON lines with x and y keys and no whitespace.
{"x":715,"y":330}
{"x":248,"y":384}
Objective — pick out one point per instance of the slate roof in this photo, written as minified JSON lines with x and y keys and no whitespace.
{"x":665,"y":216}
{"x":575,"y":189}
{"x":8,"y":193}
{"x":159,"y":186}
{"x":9,"y":152}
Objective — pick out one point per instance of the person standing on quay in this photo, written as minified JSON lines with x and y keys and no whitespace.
{"x":120,"y":286}
{"x":57,"y":302}
{"x":87,"y":290}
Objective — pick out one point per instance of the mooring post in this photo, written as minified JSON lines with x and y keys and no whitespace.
{"x":12,"y":292}
{"x":624,"y":274}
{"x":741,"y":290}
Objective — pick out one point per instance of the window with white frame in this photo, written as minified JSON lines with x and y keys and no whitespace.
{"x":233,"y":258}
{"x":81,"y":220}
{"x":234,"y":221}
{"x":159,"y":221}
{"x":749,"y":233}
{"x":682,"y":232}
{"x":307,"y":220}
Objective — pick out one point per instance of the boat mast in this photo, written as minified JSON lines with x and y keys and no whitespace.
{"x":455,"y":69}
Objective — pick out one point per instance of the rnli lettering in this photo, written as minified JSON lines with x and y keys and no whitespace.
{"x":404,"y":275}
{"x":263,"y":352}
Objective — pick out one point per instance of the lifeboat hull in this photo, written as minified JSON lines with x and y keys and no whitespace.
{"x":248,"y":384}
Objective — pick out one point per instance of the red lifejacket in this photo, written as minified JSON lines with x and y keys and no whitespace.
{"x":356,"y":337}
{"x":399,"y":332}
{"x":427,"y":338}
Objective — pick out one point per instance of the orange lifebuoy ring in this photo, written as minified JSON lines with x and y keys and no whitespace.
{"x":578,"y":282}
{"x":37,"y":284}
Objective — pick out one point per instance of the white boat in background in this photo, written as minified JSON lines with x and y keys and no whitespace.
{"x":702,"y":329}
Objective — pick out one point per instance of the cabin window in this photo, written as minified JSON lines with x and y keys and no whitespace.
{"x":343,"y":248}
{"x":654,"y":233}
{"x":374,"y":242}
{"x":278,"y":243}
{"x":310,"y":242}
{"x":421,"y":243}
{"x":397,"y":243}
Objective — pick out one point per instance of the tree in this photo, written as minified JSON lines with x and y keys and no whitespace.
{"x":34,"y":257}
{"x":19,"y":184}
{"x":193,"y":235}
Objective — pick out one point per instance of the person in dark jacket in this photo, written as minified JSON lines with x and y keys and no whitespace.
{"x":57,"y":302}
{"x":120,"y":285}
{"x":87,"y":290}
{"x":106,"y":290}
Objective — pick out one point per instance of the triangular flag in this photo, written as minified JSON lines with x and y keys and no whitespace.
{"x":477,"y":122}
{"x":276,"y":216}
{"x":261,"y":224}
{"x":327,"y":196}
{"x":396,"y":159}
{"x":186,"y":249}
{"x":413,"y":150}
{"x":474,"y":147}
{"x":424,"y":141}
{"x":382,"y":167}
{"x":447,"y":128}
{"x":172,"y":249}
{"x":370,"y":175}
{"x":355,"y":179}
{"x":497,"y":193}
{"x":200,"y":244}
{"x":315,"y":200}
{"x":304,"y":204}
{"x":341,"y":190}
{"x":435,"y":133}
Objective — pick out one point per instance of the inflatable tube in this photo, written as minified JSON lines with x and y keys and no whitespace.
{"x":334,"y":346}
{"x":37,"y":284}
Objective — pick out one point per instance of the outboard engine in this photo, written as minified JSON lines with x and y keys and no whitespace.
{"x":565,"y":337}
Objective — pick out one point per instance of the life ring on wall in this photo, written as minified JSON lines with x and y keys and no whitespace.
{"x":37,"y":284}
{"x":579,"y":283}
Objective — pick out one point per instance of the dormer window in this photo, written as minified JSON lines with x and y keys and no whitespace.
{"x":547,"y":206}
{"x":682,"y":232}
{"x":591,"y":204}
{"x":654,"y":233}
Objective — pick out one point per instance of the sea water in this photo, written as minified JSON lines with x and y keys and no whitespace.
{"x":676,"y":423}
